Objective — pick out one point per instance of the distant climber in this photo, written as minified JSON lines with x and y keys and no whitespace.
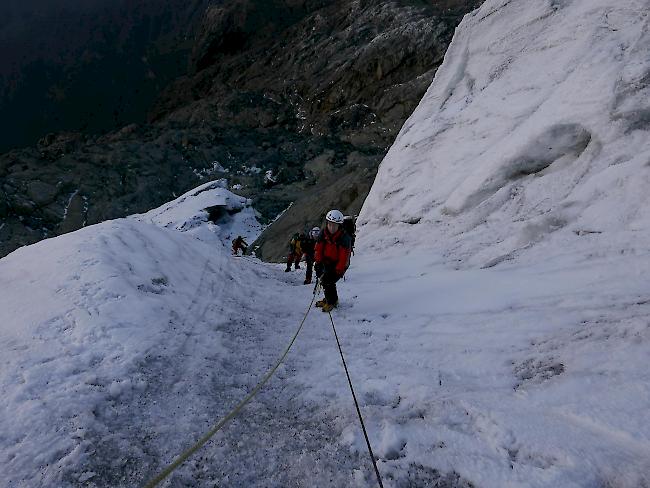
{"x":308,"y":245}
{"x":237,"y":244}
{"x":295,"y":252}
{"x":332,"y":258}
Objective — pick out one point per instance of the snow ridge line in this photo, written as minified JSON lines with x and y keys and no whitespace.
{"x":233,"y":413}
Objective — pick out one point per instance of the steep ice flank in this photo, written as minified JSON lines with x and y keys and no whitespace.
{"x":536,"y":127}
{"x":555,"y":148}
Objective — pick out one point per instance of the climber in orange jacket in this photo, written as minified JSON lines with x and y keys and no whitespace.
{"x":332,"y":258}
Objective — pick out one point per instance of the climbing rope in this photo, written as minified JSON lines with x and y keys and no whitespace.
{"x":185,"y":455}
{"x":356,"y":404}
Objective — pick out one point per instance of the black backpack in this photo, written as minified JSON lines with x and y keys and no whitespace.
{"x":350,"y":228}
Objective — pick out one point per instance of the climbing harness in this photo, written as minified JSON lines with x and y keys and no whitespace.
{"x":356,"y":404}
{"x":185,"y":455}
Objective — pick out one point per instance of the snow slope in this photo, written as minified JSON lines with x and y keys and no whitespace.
{"x":534,"y":130}
{"x":494,"y":319}
{"x":509,"y":223}
{"x":101,"y":325}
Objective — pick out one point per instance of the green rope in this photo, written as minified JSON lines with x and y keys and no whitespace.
{"x":185,"y":455}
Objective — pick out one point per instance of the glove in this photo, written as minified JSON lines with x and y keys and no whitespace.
{"x":318,"y":268}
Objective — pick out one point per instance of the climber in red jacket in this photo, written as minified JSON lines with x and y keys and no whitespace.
{"x":332,"y":258}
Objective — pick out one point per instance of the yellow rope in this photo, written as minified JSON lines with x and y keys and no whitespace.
{"x":185,"y":455}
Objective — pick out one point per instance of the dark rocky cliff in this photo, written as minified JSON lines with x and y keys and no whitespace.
{"x":91,"y":65}
{"x":311,"y":93}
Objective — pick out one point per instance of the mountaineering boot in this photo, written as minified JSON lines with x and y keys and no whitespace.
{"x":287,"y":270}
{"x":307,"y":281}
{"x":328,"y":307}
{"x":298,"y":266}
{"x":321,"y":303}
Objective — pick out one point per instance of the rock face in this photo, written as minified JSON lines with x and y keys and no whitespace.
{"x":295,"y":102}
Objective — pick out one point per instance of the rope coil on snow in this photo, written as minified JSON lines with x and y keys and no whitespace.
{"x":185,"y":455}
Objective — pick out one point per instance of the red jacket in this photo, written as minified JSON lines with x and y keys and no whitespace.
{"x":334,"y":250}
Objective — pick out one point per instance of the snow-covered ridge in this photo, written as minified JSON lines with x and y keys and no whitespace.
{"x":536,"y":127}
{"x":89,"y":322}
{"x":207,"y":211}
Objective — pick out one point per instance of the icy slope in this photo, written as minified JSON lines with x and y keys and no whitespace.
{"x":535,"y":128}
{"x":102,"y":329}
{"x":501,"y":281}
{"x":512,"y":376}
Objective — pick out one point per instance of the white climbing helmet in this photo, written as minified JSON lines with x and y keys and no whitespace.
{"x":334,"y":216}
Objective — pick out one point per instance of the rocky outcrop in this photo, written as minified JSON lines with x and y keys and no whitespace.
{"x":355,"y":69}
{"x":295,"y":102}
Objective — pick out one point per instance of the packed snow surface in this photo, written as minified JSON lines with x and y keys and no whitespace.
{"x":495,"y":317}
